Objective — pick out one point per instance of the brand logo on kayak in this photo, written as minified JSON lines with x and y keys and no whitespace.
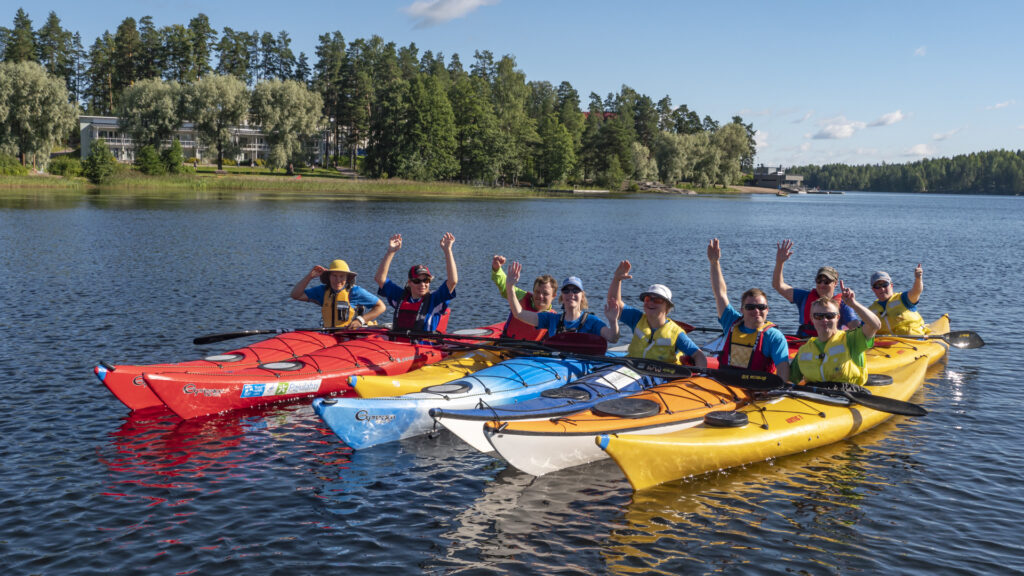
{"x":363,"y":415}
{"x":793,"y":419}
{"x":208,"y":392}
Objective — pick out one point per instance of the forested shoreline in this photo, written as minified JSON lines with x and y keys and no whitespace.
{"x":992,"y":172}
{"x":418,"y":116}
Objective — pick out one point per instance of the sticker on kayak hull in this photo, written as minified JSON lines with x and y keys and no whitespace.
{"x":280,"y":388}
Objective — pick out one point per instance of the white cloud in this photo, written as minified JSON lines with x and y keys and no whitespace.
{"x":1001,"y":105}
{"x":761,"y":139}
{"x":804,"y":118}
{"x":432,"y":12}
{"x":921,"y":51}
{"x":838,"y":129}
{"x":805,"y":146}
{"x":888,"y":119}
{"x":938,"y":137}
{"x":921,"y":150}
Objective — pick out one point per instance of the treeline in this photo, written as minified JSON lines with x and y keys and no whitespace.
{"x":993,"y":172}
{"x":406,"y":114}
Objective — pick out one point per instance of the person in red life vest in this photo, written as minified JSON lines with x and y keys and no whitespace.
{"x":655,"y":335}
{"x":898,"y":310}
{"x":751,"y":341}
{"x":824,"y":287}
{"x":416,"y":307}
{"x":544,"y":289}
{"x":574,"y":316}
{"x":342,"y":303}
{"x":836,"y":355}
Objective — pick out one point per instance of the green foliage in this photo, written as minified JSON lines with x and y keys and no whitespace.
{"x":34,"y":109}
{"x":100,"y":165}
{"x":9,"y":166}
{"x":216,"y":104}
{"x":992,"y":172}
{"x":147,"y":159}
{"x":171,"y":158}
{"x":66,"y":165}
{"x":149,"y":111}
{"x":613,"y":176}
{"x":288,"y":112}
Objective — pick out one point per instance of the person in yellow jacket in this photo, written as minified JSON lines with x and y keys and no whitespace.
{"x":836,"y":355}
{"x":655,"y":335}
{"x":898,"y":310}
{"x":340,"y":300}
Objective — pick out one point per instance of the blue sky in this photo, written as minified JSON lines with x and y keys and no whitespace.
{"x":823,"y":81}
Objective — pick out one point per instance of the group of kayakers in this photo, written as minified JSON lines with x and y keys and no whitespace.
{"x":837,"y":329}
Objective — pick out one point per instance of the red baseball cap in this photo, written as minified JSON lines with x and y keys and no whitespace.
{"x":419,"y":270}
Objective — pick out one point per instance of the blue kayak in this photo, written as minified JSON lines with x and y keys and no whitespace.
{"x":605,"y":384}
{"x":365,"y":422}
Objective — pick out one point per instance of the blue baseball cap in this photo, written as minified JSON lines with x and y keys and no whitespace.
{"x":572,"y":281}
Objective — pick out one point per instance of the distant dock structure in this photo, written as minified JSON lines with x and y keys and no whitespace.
{"x":777,"y":179}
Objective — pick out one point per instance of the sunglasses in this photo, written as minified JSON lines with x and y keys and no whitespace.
{"x":880,"y":285}
{"x":761,"y":307}
{"x":824,"y":280}
{"x":655,"y":299}
{"x":418,"y":281}
{"x":824,"y":315}
{"x":571,"y":290}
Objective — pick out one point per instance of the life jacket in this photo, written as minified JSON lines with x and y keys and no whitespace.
{"x":411,"y":315}
{"x":335,"y":309}
{"x":830,"y":361}
{"x":896,"y":318}
{"x":746,"y":350}
{"x":807,"y":329}
{"x":659,"y":344}
{"x":560,"y":328}
{"x":516,"y":328}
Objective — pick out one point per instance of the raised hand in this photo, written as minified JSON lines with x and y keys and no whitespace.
{"x":612,"y":311}
{"x":849,"y":297}
{"x":783,"y":250}
{"x":622,"y":271}
{"x":446,"y":241}
{"x":514,"y":270}
{"x":316,"y":271}
{"x":497,"y":262}
{"x":918,"y":272}
{"x":714,"y":251}
{"x":394,"y":243}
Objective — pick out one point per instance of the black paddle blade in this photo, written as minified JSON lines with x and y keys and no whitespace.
{"x":211,"y":338}
{"x":964,"y":339}
{"x":883,"y":404}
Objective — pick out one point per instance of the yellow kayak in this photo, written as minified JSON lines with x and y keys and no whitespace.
{"x":776,"y":427}
{"x":892,"y":351}
{"x":451,"y":368}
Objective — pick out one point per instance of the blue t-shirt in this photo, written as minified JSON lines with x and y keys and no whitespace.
{"x":631,"y":317}
{"x":356,"y":296}
{"x":438,"y":301}
{"x":774,"y":344}
{"x":846,"y":314}
{"x":549,"y":322}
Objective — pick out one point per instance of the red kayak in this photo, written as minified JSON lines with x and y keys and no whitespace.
{"x":127,"y":384}
{"x":197,"y":392}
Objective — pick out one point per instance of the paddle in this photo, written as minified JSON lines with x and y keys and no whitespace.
{"x":960,"y":339}
{"x":880,"y":403}
{"x":211,"y":338}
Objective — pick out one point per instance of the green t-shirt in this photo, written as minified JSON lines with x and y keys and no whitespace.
{"x":498,"y":277}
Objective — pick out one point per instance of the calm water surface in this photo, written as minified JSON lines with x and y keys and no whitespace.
{"x":88,"y":488}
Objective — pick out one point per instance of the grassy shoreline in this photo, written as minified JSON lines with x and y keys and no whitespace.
{"x":320,"y":184}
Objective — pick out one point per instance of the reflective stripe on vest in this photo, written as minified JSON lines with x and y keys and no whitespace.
{"x":897,"y":318}
{"x":831,"y":363}
{"x":335,"y":310}
{"x":657,"y":345}
{"x":746,"y":349}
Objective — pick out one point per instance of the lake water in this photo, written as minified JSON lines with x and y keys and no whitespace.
{"x":88,"y":488}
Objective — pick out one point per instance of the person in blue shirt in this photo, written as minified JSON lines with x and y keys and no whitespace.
{"x":416,"y":307}
{"x":655,"y":335}
{"x":574,"y":316}
{"x":825,"y":282}
{"x":751,"y":341}
{"x":342,"y":303}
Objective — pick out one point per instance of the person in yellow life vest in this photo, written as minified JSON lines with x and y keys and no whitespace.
{"x":898,"y":310}
{"x":655,"y":335}
{"x":340,"y":300}
{"x":836,"y":355}
{"x":539,"y":300}
{"x":751,"y":341}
